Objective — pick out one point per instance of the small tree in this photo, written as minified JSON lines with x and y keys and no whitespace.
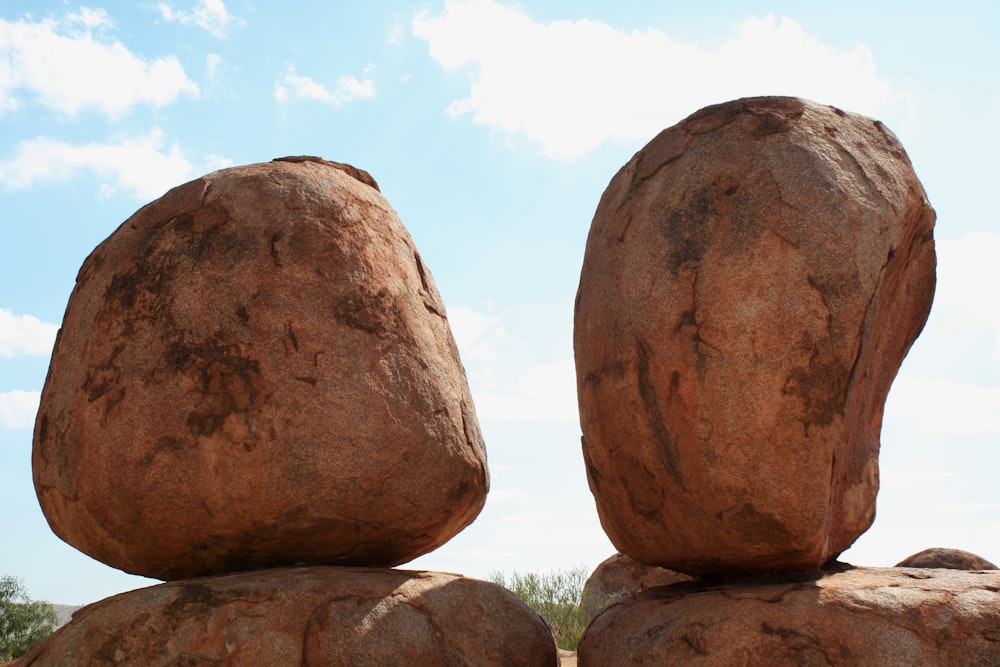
{"x":557,"y":597}
{"x":22,"y":621}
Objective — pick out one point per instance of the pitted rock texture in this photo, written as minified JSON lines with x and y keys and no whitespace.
{"x":952,"y":559}
{"x":305,"y":616}
{"x":859,"y":617}
{"x":752,"y":281}
{"x":256,"y":370}
{"x":620,"y":576}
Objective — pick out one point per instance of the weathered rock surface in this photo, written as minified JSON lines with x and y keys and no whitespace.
{"x":887,"y":616}
{"x":620,"y":576}
{"x":752,"y":281}
{"x":305,"y":616}
{"x":951,"y":559}
{"x":255,"y":370}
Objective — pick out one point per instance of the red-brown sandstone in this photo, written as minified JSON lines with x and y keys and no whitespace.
{"x":257,"y":370}
{"x":752,"y":280}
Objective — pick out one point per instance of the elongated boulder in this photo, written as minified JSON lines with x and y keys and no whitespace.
{"x":256,"y":370}
{"x":752,"y":281}
{"x":306,"y":616}
{"x":895,"y":617}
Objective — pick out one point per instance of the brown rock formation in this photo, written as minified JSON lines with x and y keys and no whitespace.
{"x":305,"y":616}
{"x":857,"y":617}
{"x":257,"y":370}
{"x":951,"y":559}
{"x":752,"y":281}
{"x":620,"y":576}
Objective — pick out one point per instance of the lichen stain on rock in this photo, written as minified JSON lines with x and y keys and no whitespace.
{"x":229,"y":382}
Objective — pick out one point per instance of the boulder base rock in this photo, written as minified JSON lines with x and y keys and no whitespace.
{"x":952,"y":559}
{"x":893,"y":617}
{"x":620,"y":576}
{"x":752,"y":281}
{"x":256,"y":370}
{"x":305,"y":616}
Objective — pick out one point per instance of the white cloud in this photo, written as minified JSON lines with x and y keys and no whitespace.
{"x":294,"y":86}
{"x":569,"y":86}
{"x":504,"y":389}
{"x":214,"y":63}
{"x":475,"y":333}
{"x":18,"y":408}
{"x":218,"y":81}
{"x":939,"y":406}
{"x":968,"y":278}
{"x":141,"y":166}
{"x":508,"y":535}
{"x":91,"y":19}
{"x":25,"y":334}
{"x":546,"y":392}
{"x":507,"y":495}
{"x":965,"y":508}
{"x":397,"y":34}
{"x":68,"y":65}
{"x":949,"y":384}
{"x":210,"y":15}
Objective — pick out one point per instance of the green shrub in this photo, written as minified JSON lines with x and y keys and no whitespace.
{"x":22,"y":621}
{"x":557,"y":597}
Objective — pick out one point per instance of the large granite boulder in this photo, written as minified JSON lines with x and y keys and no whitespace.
{"x":891,"y":617}
{"x":951,"y":559}
{"x":305,"y":616}
{"x":752,"y":280}
{"x":256,"y":370}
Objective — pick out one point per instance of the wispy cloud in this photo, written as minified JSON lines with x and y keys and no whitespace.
{"x":950,"y":385}
{"x":18,"y":408}
{"x":968,"y":276}
{"x":143,"y":167}
{"x":211,"y":15}
{"x":70,"y":65}
{"x":397,"y":35}
{"x":504,"y":389}
{"x":939,"y":407}
{"x":569,"y":86}
{"x":25,"y":334}
{"x":544,"y":393}
{"x":476,"y":334}
{"x":295,"y":86}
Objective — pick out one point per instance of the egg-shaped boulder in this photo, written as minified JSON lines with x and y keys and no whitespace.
{"x":752,"y":281}
{"x":256,"y":370}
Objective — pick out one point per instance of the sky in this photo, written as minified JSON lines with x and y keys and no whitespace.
{"x":493,"y":128}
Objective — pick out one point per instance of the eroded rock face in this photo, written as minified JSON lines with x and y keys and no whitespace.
{"x":752,"y":281}
{"x":952,"y":559}
{"x":857,"y":617}
{"x":305,"y":616}
{"x":620,"y":576}
{"x":254,"y":370}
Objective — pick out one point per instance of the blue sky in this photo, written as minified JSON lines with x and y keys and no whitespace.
{"x":493,"y":128}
